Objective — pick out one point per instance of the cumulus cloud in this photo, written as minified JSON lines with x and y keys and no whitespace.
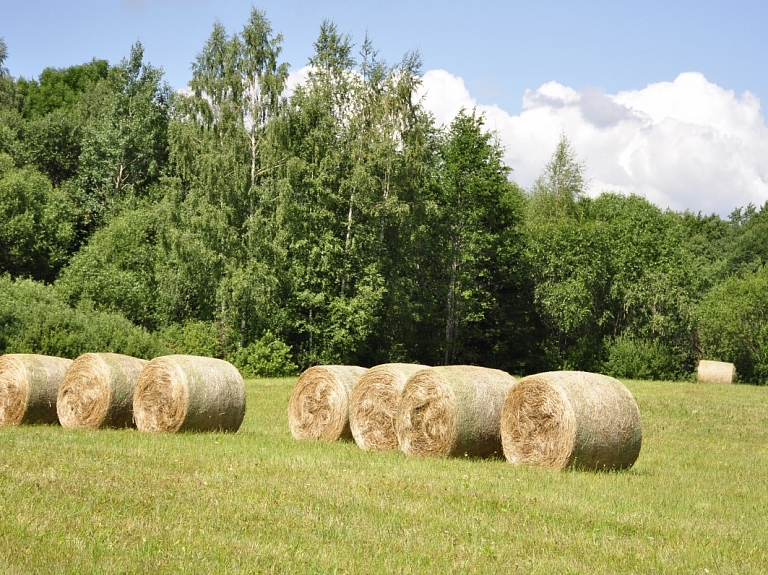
{"x":686,"y":144}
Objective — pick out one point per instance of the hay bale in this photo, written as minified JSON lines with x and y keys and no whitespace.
{"x":571,"y":419}
{"x":374,"y":403}
{"x":715,"y":372}
{"x":452,"y":411}
{"x":189,"y":393}
{"x":97,"y":391}
{"x":29,"y":384}
{"x":319,"y":403}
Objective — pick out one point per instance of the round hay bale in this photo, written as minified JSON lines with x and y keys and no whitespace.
{"x":29,"y":384}
{"x":319,"y":404}
{"x":571,"y":419}
{"x":97,"y":391}
{"x":715,"y":372}
{"x":374,"y":402}
{"x":452,"y":411}
{"x":189,"y":393}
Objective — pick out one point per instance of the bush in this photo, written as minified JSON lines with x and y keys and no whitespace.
{"x":267,"y":357}
{"x":194,"y":338}
{"x":34,"y":320}
{"x":633,"y":358}
{"x":732,"y":325}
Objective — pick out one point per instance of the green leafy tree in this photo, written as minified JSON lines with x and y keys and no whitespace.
{"x":747,"y":250}
{"x":59,"y":88}
{"x":237,"y":83}
{"x":732,"y":324}
{"x":36,"y":221}
{"x":115,"y":270}
{"x":124,"y":144}
{"x":562,"y":183}
{"x":478,"y":216}
{"x":612,"y":272}
{"x":53,"y":144}
{"x":7,"y":90}
{"x":355,"y":169}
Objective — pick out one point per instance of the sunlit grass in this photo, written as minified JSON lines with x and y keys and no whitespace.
{"x":121,"y":501}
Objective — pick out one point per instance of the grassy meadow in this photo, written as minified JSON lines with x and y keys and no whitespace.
{"x":122,"y":501}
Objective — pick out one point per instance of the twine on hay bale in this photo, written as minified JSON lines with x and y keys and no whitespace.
{"x":374,"y":402}
{"x":29,"y":384}
{"x":452,"y":411}
{"x":319,"y":403}
{"x":97,"y":391}
{"x":189,"y":393}
{"x":571,"y":419}
{"x":715,"y":372}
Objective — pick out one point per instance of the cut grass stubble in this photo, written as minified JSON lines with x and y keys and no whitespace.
{"x":117,"y":501}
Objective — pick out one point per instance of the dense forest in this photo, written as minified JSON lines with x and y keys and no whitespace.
{"x":336,"y":223}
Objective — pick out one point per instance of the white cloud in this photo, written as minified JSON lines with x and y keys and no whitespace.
{"x":296,"y":78}
{"x":686,"y":144}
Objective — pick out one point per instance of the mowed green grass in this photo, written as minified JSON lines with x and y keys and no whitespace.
{"x":121,"y":501}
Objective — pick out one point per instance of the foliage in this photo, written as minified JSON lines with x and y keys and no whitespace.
{"x":194,"y":337}
{"x":124,"y":143}
{"x":621,"y":267}
{"x":7,"y":89}
{"x":339,"y":220}
{"x":733,"y":325}
{"x":633,"y":358}
{"x":265,"y":357}
{"x":59,"y":88}
{"x":557,"y":190}
{"x":478,"y":250}
{"x":35,"y":320}
{"x":115,"y":271}
{"x":36,"y":223}
{"x":53,"y":144}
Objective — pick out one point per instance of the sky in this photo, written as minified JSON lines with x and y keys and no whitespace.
{"x":662,"y":98}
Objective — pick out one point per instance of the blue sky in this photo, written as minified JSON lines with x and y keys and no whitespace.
{"x":661,"y":98}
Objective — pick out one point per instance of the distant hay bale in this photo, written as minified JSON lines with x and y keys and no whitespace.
{"x":189,"y":393}
{"x":374,"y":402}
{"x":716,"y":372}
{"x":571,"y":419}
{"x":452,"y":411}
{"x":97,"y":391}
{"x":319,"y":404}
{"x":29,"y":384}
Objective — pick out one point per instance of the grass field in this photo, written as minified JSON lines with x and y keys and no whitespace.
{"x":121,"y":501}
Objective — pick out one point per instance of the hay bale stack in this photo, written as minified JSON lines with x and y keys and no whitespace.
{"x":97,"y":391}
{"x":319,"y":403}
{"x":716,"y":372}
{"x":452,"y":411}
{"x":29,"y":384}
{"x":571,"y":419}
{"x":189,"y":393}
{"x":374,"y":403}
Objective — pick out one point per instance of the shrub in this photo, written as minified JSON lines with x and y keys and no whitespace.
{"x":194,"y":337}
{"x":634,"y":358}
{"x":732,"y":325}
{"x":34,"y":320}
{"x":266,"y":357}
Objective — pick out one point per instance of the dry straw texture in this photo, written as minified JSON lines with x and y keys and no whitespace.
{"x":29,"y":385}
{"x":189,"y":393}
{"x":97,"y":391}
{"x":319,"y":404}
{"x":716,"y":372}
{"x":452,"y":410}
{"x":571,"y":419}
{"x":374,"y":405}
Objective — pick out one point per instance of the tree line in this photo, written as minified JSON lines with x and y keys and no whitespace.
{"x":336,"y":223}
